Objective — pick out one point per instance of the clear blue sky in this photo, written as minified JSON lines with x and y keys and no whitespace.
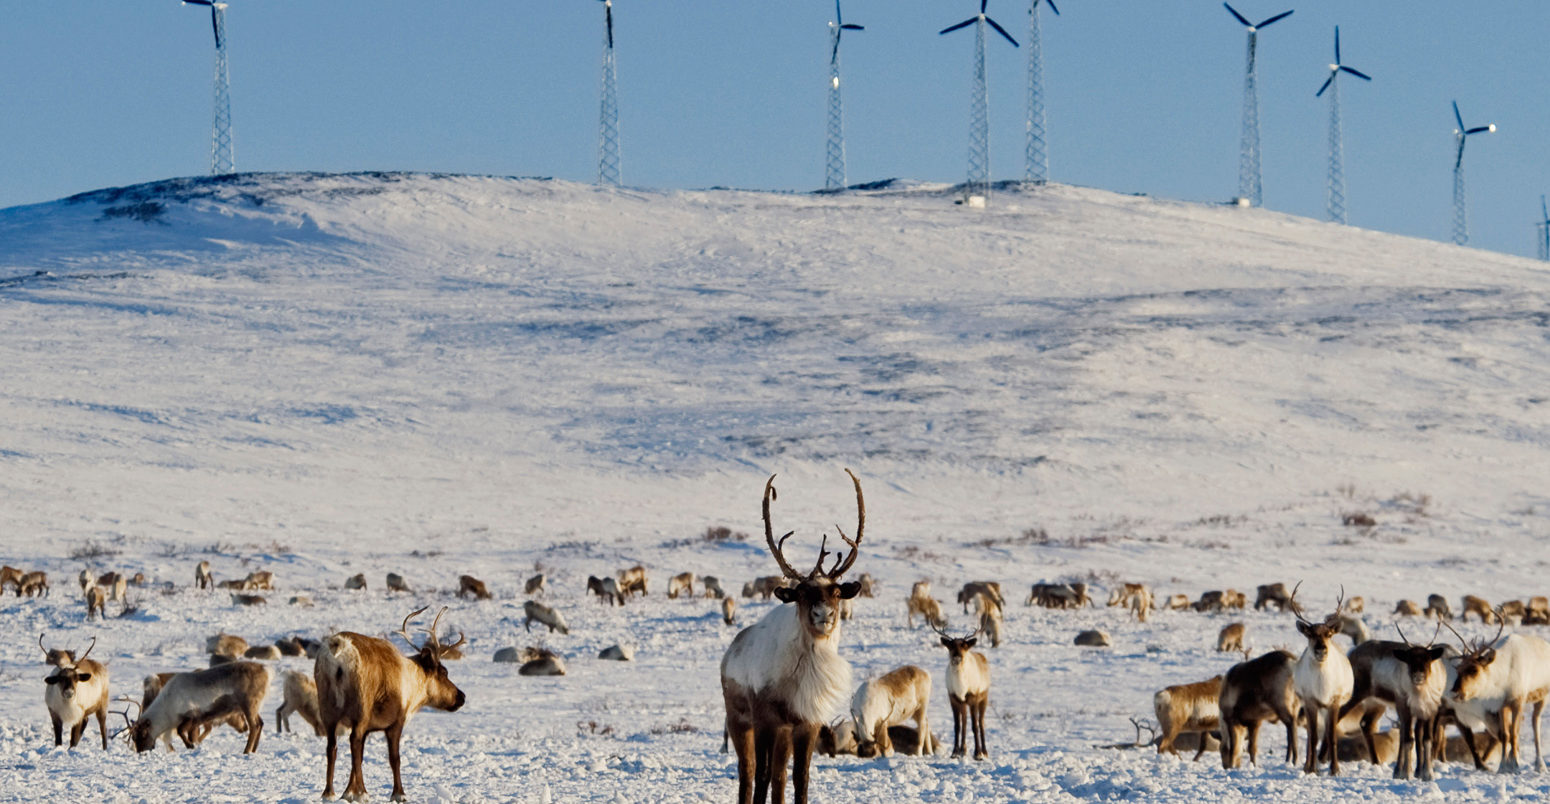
{"x":1143,"y":96}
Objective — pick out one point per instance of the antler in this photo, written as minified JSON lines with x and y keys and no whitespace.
{"x":435,"y":624}
{"x":855,"y":546}
{"x":40,"y":646}
{"x":403,"y":630}
{"x":88,"y":649}
{"x":769,"y":533}
{"x":1291,"y":603}
{"x":1152,"y":730}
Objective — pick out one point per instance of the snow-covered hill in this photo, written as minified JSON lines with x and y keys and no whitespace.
{"x":326,"y":374}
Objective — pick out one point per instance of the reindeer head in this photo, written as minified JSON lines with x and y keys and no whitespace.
{"x":1474,"y":667}
{"x":1420,"y":660}
{"x":957,"y":647}
{"x":818,"y":593}
{"x":441,"y":693}
{"x":67,"y":676}
{"x":1320,"y":636}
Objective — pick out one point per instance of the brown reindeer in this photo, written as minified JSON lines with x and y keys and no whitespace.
{"x":301,"y":697}
{"x":75,"y":693}
{"x":469,"y":585}
{"x":633,"y":580}
{"x":1478,"y":607}
{"x":13,"y":576}
{"x":1187,"y":708}
{"x":782,"y":678}
{"x":1271,"y":594}
{"x":1230,"y":639}
{"x":1253,"y":692}
{"x":968,"y":692}
{"x":366,"y":685}
{"x":680,"y":584}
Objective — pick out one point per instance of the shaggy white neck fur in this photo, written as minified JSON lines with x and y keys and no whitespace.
{"x":779,"y":657}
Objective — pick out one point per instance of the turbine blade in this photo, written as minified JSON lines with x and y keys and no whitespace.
{"x":982,"y":5}
{"x":1477,"y":130}
{"x":849,"y":27}
{"x":1051,"y":7}
{"x":834,"y":55}
{"x":1327,"y":82}
{"x":1002,"y":31}
{"x":1240,"y":17}
{"x":839,"y":19}
{"x":1457,"y":163}
{"x":1337,"y":44}
{"x":199,"y":2}
{"x":1457,"y":116}
{"x":966,"y":23}
{"x":1283,"y":15}
{"x":1545,"y":209}
{"x":215,"y":26}
{"x":1356,"y":72}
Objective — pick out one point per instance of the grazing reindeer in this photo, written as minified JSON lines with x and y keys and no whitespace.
{"x":607,"y":589}
{"x":1185,"y":709}
{"x":188,"y":702}
{"x":261,"y":579}
{"x":1136,"y":597}
{"x":33,"y":583}
{"x":680,"y":584}
{"x":1214,"y":600}
{"x":867,"y":584}
{"x":973,"y":590}
{"x":365,"y":685}
{"x":228,"y":645}
{"x":96,"y":603}
{"x":1503,"y":675}
{"x":202,"y":577}
{"x":1478,"y":607}
{"x":13,"y":576}
{"x":1234,"y":599}
{"x":1355,"y":605}
{"x":728,"y":610}
{"x":1177,"y":602}
{"x":1407,"y":608}
{"x":1513,"y":611}
{"x":75,"y":692}
{"x":1231,"y":638}
{"x":1254,"y":691}
{"x":990,"y":621}
{"x":534,"y":585}
{"x":544,"y":615}
{"x":84,"y":579}
{"x":929,"y":610}
{"x":713,"y":588}
{"x":356,"y":581}
{"x":194,"y":732}
{"x":1537,"y":612}
{"x":301,"y":697}
{"x":1412,"y":678}
{"x":633,"y":580}
{"x":764,"y":586}
{"x":396,"y":583}
{"x":1323,"y":680}
{"x":889,"y":700}
{"x":968,"y":691}
{"x":1271,"y":594}
{"x":782,"y":677}
{"x":469,"y":585}
{"x":1437,"y":608}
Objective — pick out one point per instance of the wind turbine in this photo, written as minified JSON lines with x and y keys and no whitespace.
{"x":834,"y":164}
{"x":978,"y":183}
{"x":221,"y":161}
{"x":608,"y":168}
{"x":1249,"y":189}
{"x":1460,"y":214}
{"x":1544,"y":230}
{"x":1336,"y":142}
{"x":1036,"y":167}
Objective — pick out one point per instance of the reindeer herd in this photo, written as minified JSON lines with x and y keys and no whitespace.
{"x":785,"y":683}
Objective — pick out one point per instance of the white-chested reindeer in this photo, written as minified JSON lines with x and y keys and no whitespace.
{"x":783,"y":677}
{"x":1413,"y":679}
{"x":1323,"y":680}
{"x":77,"y":690}
{"x":365,"y":685}
{"x":1503,"y":675}
{"x":968,"y":691}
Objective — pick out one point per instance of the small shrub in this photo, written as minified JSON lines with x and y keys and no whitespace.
{"x":1358,"y":519}
{"x":92,"y":549}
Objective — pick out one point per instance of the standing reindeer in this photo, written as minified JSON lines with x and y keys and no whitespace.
{"x":782,"y":677}
{"x":366,"y":685}
{"x":76,"y":692}
{"x":1503,"y":675}
{"x":1413,"y":679}
{"x":1323,"y":680}
{"x":968,"y":691}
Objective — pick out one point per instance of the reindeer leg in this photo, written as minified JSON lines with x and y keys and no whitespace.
{"x":743,"y":740}
{"x":1334,"y":755}
{"x":75,"y":732}
{"x":102,"y":724}
{"x":981,"y":747}
{"x":355,"y":789}
{"x":1407,"y":729}
{"x":764,"y":742}
{"x":960,"y":725}
{"x":780,"y":757}
{"x":803,"y":738}
{"x":1539,"y":762}
{"x":255,"y":730}
{"x":395,"y":733}
{"x":332,"y":753}
{"x":1426,"y":735}
{"x":1254,"y":742}
{"x":1509,"y":739}
{"x":59,"y":726}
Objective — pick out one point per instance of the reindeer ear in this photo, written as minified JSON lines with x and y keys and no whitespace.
{"x":850,"y":589}
{"x":969,"y":643}
{"x":54,"y":680}
{"x":1488,"y":655}
{"x":946,"y":643}
{"x":1305,"y":629}
{"x":82,"y":677}
{"x":785,"y":594}
{"x":1437,"y":652}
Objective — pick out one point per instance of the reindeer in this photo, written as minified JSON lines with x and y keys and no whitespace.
{"x":1478,"y":607}
{"x":1323,"y":680}
{"x":680,"y":584}
{"x":1137,"y":597}
{"x":889,"y":700}
{"x":1234,"y":599}
{"x":84,"y":579}
{"x":192,"y":732}
{"x":301,"y":697}
{"x":544,"y":615}
{"x":190,"y":701}
{"x":728,"y":610}
{"x":228,"y":645}
{"x":1537,"y":612}
{"x":974,"y":590}
{"x":990,"y":621}
{"x":1504,"y":674}
{"x":1271,"y":594}
{"x":545,"y":662}
{"x":1513,"y":611}
{"x":1254,"y":691}
{"x":1231,"y":638}
{"x":764,"y":586}
{"x":202,"y":577}
{"x":469,"y":585}
{"x":12,"y":575}
{"x":633,"y":580}
{"x":782,"y":677}
{"x":713,"y":588}
{"x":75,"y":692}
{"x":928,"y":609}
{"x":1187,"y":708}
{"x":261,"y":579}
{"x":33,"y":583}
{"x":1214,"y":600}
{"x":867,"y":584}
{"x":534,"y":585}
{"x":96,"y":603}
{"x":607,"y":590}
{"x":396,"y":583}
{"x":1176,"y":602}
{"x":1413,"y":679}
{"x":356,"y":581}
{"x":968,"y":691}
{"x":1437,"y":608}
{"x":1407,"y":608}
{"x":365,"y":685}
{"x":1355,"y":605}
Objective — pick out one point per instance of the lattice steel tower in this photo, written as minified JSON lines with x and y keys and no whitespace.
{"x":1249,"y":187}
{"x":1544,"y":230}
{"x":1036,"y":158}
{"x":978,"y":182}
{"x":1460,"y":213}
{"x":834,"y":149}
{"x":608,"y":165}
{"x":1336,"y":195}
{"x":221,"y":159}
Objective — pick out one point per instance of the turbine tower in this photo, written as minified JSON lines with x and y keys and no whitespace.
{"x":1036,"y":167}
{"x":1544,"y":230}
{"x":608,"y":118}
{"x":978,"y":183}
{"x":221,"y":161}
{"x":1249,"y":189}
{"x":1336,"y":142}
{"x":1460,"y":214}
{"x":834,"y":163}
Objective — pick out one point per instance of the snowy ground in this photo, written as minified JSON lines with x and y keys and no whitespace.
{"x":324,"y":375}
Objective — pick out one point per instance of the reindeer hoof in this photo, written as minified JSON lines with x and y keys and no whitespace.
{"x":957,"y":755}
{"x":979,"y":755}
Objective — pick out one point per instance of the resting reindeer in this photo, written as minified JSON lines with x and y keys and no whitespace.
{"x":886,"y":701}
{"x":74,"y":693}
{"x":1323,"y":680}
{"x":968,"y":691}
{"x":782,"y":677}
{"x":364,"y":684}
{"x":1505,"y":674}
{"x":1412,"y":678}
{"x":189,"y":701}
